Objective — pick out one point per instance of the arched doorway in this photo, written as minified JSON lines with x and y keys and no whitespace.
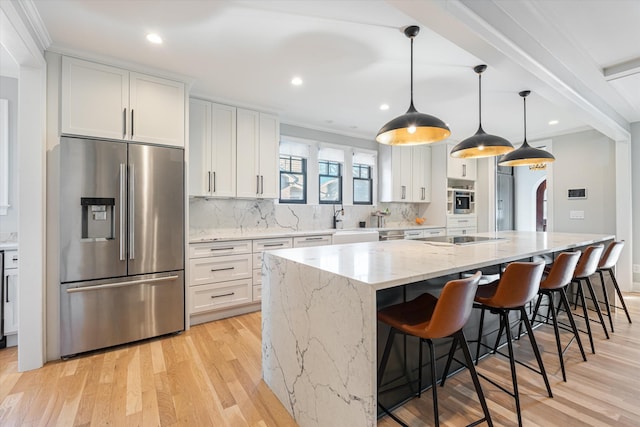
{"x":541,"y":206}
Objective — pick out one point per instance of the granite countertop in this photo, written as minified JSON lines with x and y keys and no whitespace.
{"x":391,"y":263}
{"x":236,"y":234}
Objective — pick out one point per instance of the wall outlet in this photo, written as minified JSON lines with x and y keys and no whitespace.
{"x":636,"y":268}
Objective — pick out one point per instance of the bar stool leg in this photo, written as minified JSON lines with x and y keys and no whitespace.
{"x":447,"y":366}
{"x":385,"y":355}
{"x":420,"y":368}
{"x":536,"y":308}
{"x":597,"y":305}
{"x":536,"y":350}
{"x":615,"y":285}
{"x":556,"y":330}
{"x":512,"y":364}
{"x":434,"y":386}
{"x":606,"y":300}
{"x":586,"y":316}
{"x":478,"y":342}
{"x":565,"y":301}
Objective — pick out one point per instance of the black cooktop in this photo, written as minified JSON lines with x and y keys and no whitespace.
{"x":460,"y":240}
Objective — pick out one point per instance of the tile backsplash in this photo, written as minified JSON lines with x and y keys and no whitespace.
{"x":206,"y":216}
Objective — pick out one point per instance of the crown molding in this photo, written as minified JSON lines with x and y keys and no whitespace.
{"x":30,"y":12}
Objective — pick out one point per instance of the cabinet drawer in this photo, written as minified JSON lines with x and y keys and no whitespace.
{"x":257,"y":261}
{"x":10,"y":259}
{"x":413,"y":234}
{"x":208,"y":249}
{"x":267,"y":244}
{"x":461,"y":221}
{"x":220,"y":269}
{"x":434,"y":232}
{"x":257,"y":292}
{"x":461,"y":231}
{"x":210,"y":297}
{"x":308,"y":241}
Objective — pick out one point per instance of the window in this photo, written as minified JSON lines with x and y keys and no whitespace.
{"x":293,"y":179}
{"x":362,"y":185}
{"x":330,"y":174}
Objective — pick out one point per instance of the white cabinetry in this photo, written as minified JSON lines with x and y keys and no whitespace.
{"x":10,"y":283}
{"x":220,"y":275}
{"x":259,"y":246}
{"x":419,"y":234}
{"x":406,"y":174}
{"x":308,"y":241}
{"x":109,"y":102}
{"x":212,"y":149}
{"x":458,"y":225}
{"x":258,"y":136}
{"x":460,"y":168}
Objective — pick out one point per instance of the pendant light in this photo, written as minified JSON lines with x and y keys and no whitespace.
{"x":481,"y":144}
{"x":526,"y":155}
{"x":413,"y":128}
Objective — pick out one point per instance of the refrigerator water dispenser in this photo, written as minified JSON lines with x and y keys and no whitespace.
{"x":97,"y":218}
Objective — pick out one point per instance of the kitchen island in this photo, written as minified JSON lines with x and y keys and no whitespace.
{"x":319,"y":328}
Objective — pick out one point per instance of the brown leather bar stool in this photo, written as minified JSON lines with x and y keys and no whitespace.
{"x":429,"y":318}
{"x":518,"y":285}
{"x":586,"y":267}
{"x":607,"y":264}
{"x":556,"y":283}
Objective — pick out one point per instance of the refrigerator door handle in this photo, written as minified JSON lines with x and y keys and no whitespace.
{"x":124,"y":123}
{"x":120,"y":284}
{"x":132,"y":212}
{"x":123,"y":212}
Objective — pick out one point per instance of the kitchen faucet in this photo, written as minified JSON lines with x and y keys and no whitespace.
{"x":337,"y":223}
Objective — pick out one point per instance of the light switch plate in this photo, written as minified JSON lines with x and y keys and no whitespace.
{"x":576,"y":214}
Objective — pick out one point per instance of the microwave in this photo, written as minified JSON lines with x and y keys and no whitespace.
{"x":462,"y":202}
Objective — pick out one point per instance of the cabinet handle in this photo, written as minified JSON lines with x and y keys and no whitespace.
{"x":271,"y":245}
{"x":124,"y":123}
{"x":223,"y":295}
{"x":261,"y":184}
{"x":208,"y":182}
{"x":257,"y":184}
{"x":423,"y":193}
{"x":230,"y":248}
{"x":132,"y":123}
{"x":313,"y":238}
{"x":6,"y":286}
{"x":222,"y":269}
{"x":464,"y":168}
{"x":214,"y":181}
{"x":404,"y":192}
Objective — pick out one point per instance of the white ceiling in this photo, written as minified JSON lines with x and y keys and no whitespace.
{"x":353,"y":56}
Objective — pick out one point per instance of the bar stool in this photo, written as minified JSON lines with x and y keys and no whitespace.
{"x":427,"y":317}
{"x":607,"y":263}
{"x":586,"y":267}
{"x":518,"y":285}
{"x":556,"y":282}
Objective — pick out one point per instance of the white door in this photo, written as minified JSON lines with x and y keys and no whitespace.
{"x":223,"y":151}
{"x":94,"y":99}
{"x":199,"y":148}
{"x":269,"y":148}
{"x":247,"y":139}
{"x":157,"y":110}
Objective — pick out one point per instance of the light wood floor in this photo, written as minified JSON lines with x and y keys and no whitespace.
{"x":210,"y":376}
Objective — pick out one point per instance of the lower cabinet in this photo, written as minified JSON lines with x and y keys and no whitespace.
{"x":459,"y":225}
{"x":10,"y":302}
{"x":219,"y":295}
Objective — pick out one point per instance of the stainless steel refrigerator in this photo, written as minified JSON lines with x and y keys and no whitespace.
{"x":121,"y":243}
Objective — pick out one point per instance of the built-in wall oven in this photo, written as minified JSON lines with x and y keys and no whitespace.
{"x":463,"y":202}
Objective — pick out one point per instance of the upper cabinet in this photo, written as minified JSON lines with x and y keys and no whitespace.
{"x":460,"y":168}
{"x":212,"y":149}
{"x":258,"y":136}
{"x":405,"y":174}
{"x":109,"y":102}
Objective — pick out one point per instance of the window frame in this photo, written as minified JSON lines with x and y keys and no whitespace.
{"x":328,"y":175}
{"x":355,"y":178}
{"x":303,"y":201}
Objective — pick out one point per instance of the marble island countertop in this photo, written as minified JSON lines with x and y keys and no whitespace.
{"x":396,"y":262}
{"x":236,"y":234}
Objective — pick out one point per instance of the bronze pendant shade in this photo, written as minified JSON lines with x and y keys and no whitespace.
{"x":413,"y":127}
{"x":481,"y":144}
{"x":526,"y":155}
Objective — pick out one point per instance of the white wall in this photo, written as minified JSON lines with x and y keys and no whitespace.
{"x":9,"y":222}
{"x":635,"y":185}
{"x":585,"y":160}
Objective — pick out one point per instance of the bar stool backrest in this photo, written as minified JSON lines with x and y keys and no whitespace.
{"x":588,"y":263}
{"x":611,"y":254}
{"x":518,"y":285}
{"x":562,"y":271}
{"x":453,"y":307}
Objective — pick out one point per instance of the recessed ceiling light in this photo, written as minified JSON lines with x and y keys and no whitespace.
{"x":553,"y":122}
{"x":296,"y":81}
{"x":154,"y":38}
{"x":384,"y":107}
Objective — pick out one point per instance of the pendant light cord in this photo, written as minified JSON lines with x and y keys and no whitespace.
{"x":412,"y":72}
{"x":524,"y":99}
{"x":480,"y":100}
